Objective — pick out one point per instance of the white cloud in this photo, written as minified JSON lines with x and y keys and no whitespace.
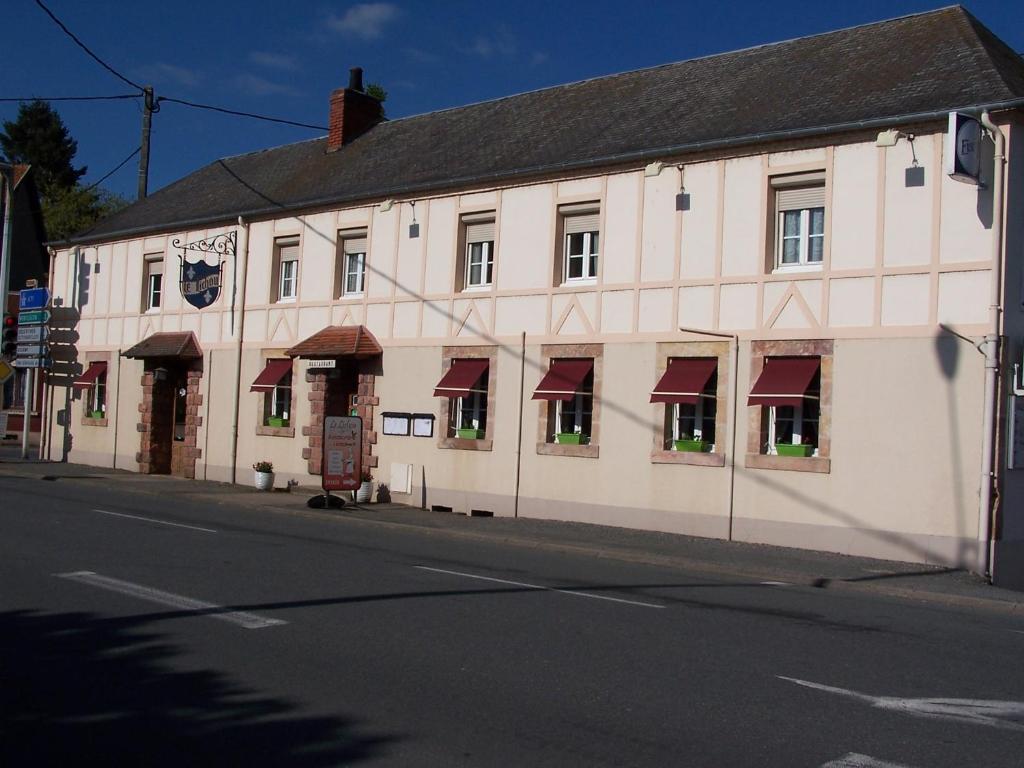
{"x":281,"y":61}
{"x":366,"y":20}
{"x":419,"y":56}
{"x":503,"y":43}
{"x":259,"y":86}
{"x":170,"y":73}
{"x":537,"y":58}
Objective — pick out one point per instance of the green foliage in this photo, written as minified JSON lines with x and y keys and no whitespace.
{"x":39,"y":138}
{"x":376,"y":90}
{"x":75,"y":209}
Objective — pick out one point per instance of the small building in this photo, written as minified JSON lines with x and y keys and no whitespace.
{"x":739,"y":296}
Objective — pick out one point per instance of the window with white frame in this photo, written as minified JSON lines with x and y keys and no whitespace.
{"x":277,"y":403}
{"x":468,"y":414}
{"x":352,"y":263}
{"x":789,"y":392}
{"x":696,"y":421}
{"x":479,"y":266}
{"x":96,"y":397}
{"x":152,"y":281}
{"x":286,"y":262}
{"x":799,"y":220}
{"x":580,"y":227}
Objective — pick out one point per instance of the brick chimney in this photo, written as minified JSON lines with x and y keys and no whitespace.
{"x":353,"y":113}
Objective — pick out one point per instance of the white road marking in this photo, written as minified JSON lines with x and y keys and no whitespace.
{"x":1007,"y":715}
{"x":153,"y":520}
{"x":241,"y":618}
{"x":539,"y":587}
{"x":775,"y":584}
{"x":854,"y":760}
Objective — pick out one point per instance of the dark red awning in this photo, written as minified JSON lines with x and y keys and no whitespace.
{"x":684,"y":380}
{"x":458,"y":381}
{"x":783,"y":381}
{"x":90,"y":374}
{"x":271,"y":375}
{"x":563,"y":379}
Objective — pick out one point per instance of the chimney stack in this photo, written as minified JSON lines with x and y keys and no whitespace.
{"x":353,"y":112}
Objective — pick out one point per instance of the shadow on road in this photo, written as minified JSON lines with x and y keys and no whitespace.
{"x":76,"y":689}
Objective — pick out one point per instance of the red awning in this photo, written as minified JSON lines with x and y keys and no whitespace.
{"x":271,"y":375}
{"x":458,"y":381}
{"x":783,"y":381}
{"x":684,"y":380}
{"x":89,"y":375}
{"x":563,"y":379}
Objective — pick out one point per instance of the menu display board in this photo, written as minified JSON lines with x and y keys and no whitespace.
{"x":343,"y":453}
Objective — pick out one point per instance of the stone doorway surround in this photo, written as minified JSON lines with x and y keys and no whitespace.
{"x":355,"y":344}
{"x":174,"y":352}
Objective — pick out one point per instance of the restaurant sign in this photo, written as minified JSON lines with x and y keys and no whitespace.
{"x":342,"y":453}
{"x":200,"y":282}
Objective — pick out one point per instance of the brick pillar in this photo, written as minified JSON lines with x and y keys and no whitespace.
{"x":367,"y":401}
{"x":317,"y":380}
{"x":193,"y":399}
{"x":145,"y":426}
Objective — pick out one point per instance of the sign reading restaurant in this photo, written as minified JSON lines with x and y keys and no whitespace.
{"x":200,"y":282}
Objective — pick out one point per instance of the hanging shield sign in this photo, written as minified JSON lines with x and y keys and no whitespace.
{"x":200,"y":283}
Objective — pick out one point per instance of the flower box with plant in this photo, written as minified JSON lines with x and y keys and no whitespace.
{"x":802,"y":450}
{"x":469,"y":433}
{"x":690,"y":444}
{"x":97,"y":415}
{"x":571,"y":438}
{"x":277,"y":421}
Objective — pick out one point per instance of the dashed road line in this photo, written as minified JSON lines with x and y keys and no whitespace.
{"x":154,"y":520}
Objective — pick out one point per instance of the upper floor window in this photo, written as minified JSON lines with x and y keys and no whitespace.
{"x":799,"y":220}
{"x":286,"y":268}
{"x":152,"y":281}
{"x":479,"y":235}
{"x":351,"y":263}
{"x":581,"y":234}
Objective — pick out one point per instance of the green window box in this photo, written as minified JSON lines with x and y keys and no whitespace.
{"x":470,"y":434}
{"x":570,"y":438}
{"x":96,"y":415}
{"x":785,"y":449}
{"x":692,"y":446}
{"x":277,"y":421}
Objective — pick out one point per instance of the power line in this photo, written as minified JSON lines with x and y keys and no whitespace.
{"x":118,"y":168}
{"x":71,"y":98}
{"x":85,"y":48}
{"x":242,"y":114}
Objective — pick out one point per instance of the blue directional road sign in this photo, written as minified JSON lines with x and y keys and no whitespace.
{"x":34,"y":298}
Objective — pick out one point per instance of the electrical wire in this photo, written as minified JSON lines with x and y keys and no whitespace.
{"x":85,"y":48}
{"x":118,"y":168}
{"x":241,"y":114}
{"x":72,"y":98}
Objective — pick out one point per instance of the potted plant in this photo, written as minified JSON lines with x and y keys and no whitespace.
{"x":570,"y":438}
{"x":383,"y":494}
{"x":264,"y":475}
{"x":96,"y":415}
{"x":802,"y":450}
{"x":365,"y":488}
{"x":690,"y":444}
{"x":470,"y":433}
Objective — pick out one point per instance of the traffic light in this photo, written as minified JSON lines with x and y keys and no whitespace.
{"x":10,"y":343}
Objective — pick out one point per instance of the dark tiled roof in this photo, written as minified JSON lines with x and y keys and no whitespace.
{"x":338,"y":341}
{"x":913,"y":65}
{"x":181,"y":344}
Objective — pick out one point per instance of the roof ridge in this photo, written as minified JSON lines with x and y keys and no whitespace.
{"x":655,"y":67}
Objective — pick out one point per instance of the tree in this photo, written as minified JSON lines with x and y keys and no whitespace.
{"x":39,"y":138}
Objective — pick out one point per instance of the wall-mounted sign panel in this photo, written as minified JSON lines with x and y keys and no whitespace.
{"x":343,"y":453}
{"x":396,"y":423}
{"x":423,"y":425}
{"x":321,"y":364}
{"x":963,"y":148}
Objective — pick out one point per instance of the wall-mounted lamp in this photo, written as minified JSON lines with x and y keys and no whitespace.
{"x":414,"y":228}
{"x":914,"y":175}
{"x":654,"y":169}
{"x":891,"y":137}
{"x":386,"y":205}
{"x":682,"y":197}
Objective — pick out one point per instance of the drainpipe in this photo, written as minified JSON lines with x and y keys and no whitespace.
{"x":989,"y":471}
{"x":734,"y":354}
{"x":117,"y":402}
{"x":242,"y":248}
{"x":519,"y":439}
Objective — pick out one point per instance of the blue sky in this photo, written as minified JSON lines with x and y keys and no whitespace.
{"x":283,"y":59}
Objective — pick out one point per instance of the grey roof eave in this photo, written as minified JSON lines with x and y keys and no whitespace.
{"x":638,"y":155}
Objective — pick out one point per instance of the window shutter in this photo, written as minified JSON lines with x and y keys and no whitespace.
{"x":355,"y":244}
{"x":155,"y":266}
{"x":480,"y":231}
{"x":797,"y":198}
{"x":582,"y":222}
{"x":289,"y":251}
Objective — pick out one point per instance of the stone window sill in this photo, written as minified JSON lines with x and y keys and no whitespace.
{"x":818,"y":464}
{"x":462,"y":444}
{"x":683,"y":457}
{"x":89,"y":422}
{"x":275,"y":431}
{"x":579,"y":451}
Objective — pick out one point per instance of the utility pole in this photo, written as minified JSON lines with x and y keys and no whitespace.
{"x":147,"y":120}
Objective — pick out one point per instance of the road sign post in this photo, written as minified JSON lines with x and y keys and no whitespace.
{"x":33,"y":349}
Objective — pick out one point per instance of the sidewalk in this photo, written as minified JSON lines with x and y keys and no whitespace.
{"x":727,"y":560}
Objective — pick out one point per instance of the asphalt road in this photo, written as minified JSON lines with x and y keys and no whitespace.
{"x":146,"y":630}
